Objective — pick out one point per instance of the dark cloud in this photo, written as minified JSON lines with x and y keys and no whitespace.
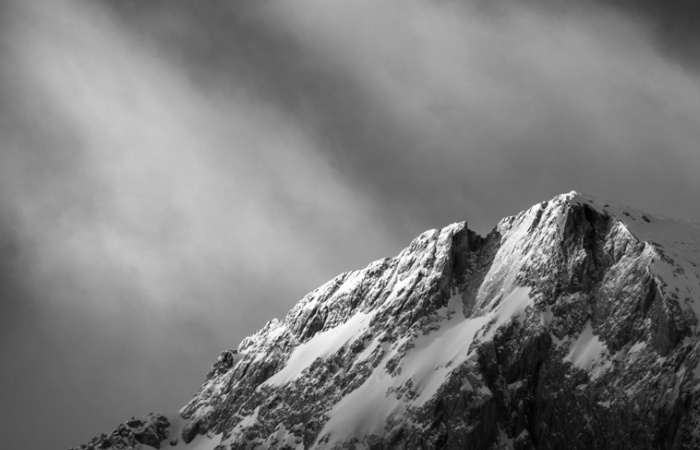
{"x":405,"y":114}
{"x":674,"y":24}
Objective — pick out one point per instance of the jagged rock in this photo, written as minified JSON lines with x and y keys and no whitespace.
{"x":191,"y":431}
{"x":571,"y":325}
{"x":151,"y":430}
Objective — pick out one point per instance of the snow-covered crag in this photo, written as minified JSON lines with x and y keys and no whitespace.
{"x":572,"y":325}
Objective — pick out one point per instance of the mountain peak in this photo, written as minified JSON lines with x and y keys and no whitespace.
{"x":573,"y":324}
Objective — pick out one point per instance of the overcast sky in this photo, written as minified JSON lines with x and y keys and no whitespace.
{"x":173,"y":174}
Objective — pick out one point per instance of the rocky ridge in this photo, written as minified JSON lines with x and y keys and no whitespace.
{"x":573,"y":324}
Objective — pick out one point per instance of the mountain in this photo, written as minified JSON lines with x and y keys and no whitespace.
{"x":572,"y":325}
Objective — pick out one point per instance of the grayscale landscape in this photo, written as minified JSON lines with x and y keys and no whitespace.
{"x":213,"y":224}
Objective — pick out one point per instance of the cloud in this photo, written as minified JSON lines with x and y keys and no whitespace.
{"x":154,"y":176}
{"x":465,"y":102}
{"x":154,"y":223}
{"x":508,"y":100}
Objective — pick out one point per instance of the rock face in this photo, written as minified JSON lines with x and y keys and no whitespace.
{"x":150,"y":431}
{"x":572,"y":325}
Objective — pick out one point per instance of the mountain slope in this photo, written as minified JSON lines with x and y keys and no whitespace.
{"x":571,"y":325}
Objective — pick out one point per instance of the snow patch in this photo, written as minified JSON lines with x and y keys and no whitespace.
{"x":587,"y":353}
{"x":202,"y":442}
{"x":637,"y":347}
{"x":425,"y":367}
{"x":511,"y":307}
{"x":321,"y":345}
{"x":282,"y":438}
{"x":436,"y":354}
{"x":354,"y":415}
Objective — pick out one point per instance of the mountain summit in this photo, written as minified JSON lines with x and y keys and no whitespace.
{"x":572,"y":325}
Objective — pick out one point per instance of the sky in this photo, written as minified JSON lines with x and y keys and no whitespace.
{"x":174,"y":174}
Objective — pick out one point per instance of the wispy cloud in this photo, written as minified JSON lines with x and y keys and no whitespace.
{"x":151,"y":174}
{"x":510,"y":99}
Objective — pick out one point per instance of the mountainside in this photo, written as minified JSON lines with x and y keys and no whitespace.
{"x":573,"y":325}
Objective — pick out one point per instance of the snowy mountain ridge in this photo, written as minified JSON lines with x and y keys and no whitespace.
{"x":573,"y":324}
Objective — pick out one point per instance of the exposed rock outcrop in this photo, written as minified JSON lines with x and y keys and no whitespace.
{"x":151,"y":430}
